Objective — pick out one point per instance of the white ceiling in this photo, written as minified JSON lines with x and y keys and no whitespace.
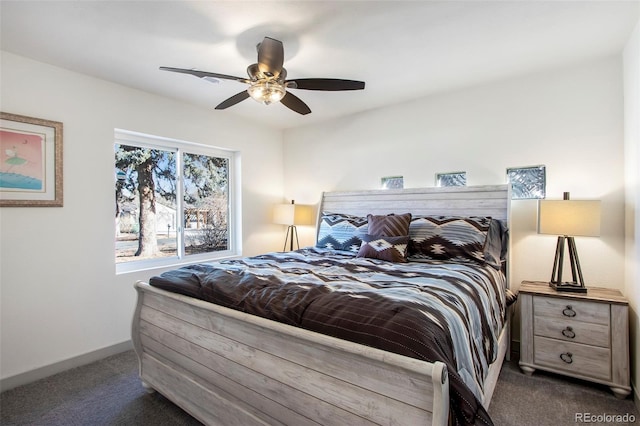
{"x":402,"y":49}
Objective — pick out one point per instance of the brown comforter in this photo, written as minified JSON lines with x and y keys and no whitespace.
{"x":447,"y":312}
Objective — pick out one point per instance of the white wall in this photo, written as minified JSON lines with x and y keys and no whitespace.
{"x":632,"y":170}
{"x":570,"y":120}
{"x":60,"y":295}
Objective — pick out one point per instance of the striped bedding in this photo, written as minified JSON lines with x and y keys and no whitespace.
{"x":451,"y":312}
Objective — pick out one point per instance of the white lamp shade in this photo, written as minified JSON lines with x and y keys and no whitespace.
{"x":292,"y":214}
{"x":569,"y":217}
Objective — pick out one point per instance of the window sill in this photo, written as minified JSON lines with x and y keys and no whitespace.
{"x":172,"y":262}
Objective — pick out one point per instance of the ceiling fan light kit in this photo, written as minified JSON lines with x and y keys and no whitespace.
{"x":267,"y":92}
{"x":267,"y":82}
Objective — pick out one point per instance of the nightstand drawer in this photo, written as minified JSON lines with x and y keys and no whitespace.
{"x":573,"y":358}
{"x":572,"y":331}
{"x":561,"y":309}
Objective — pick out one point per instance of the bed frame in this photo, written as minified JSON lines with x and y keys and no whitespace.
{"x":226,"y":367}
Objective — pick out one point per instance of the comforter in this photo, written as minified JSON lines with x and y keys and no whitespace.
{"x":449,"y":312}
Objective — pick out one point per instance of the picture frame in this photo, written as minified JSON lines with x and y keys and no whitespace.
{"x":31,"y":171}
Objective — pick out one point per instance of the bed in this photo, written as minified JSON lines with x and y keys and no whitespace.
{"x":230,"y":362}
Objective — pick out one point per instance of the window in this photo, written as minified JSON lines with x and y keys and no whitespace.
{"x":527,"y":182}
{"x":451,"y":179}
{"x":173,"y":202}
{"x":392,"y":182}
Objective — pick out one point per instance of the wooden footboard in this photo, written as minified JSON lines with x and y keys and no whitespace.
{"x":226,"y":367}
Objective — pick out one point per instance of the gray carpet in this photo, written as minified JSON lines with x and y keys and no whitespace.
{"x":108,"y":392}
{"x":545,"y":399}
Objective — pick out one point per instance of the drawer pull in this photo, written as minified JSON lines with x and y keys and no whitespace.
{"x":568,"y":312}
{"x":567,"y":357}
{"x":568,"y":332}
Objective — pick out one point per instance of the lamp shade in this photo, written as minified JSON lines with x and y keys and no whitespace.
{"x":292,"y":214}
{"x":569,"y":217}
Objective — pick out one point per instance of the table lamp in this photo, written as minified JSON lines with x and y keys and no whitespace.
{"x":292,"y":214}
{"x":567,"y":219}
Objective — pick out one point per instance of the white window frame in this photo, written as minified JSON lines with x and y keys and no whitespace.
{"x":127,"y":137}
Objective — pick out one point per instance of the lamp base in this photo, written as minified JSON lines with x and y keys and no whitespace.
{"x":568,"y":287}
{"x":292,"y":232}
{"x":577,"y":283}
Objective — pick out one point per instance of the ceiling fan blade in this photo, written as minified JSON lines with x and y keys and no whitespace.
{"x":327,"y":84}
{"x":270,"y":56}
{"x":294,"y":103}
{"x":204,"y":74}
{"x":238,"y":97}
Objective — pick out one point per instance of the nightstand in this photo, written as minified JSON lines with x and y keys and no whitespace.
{"x":585,"y":336}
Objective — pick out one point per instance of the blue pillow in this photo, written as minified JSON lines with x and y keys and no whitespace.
{"x":341,"y":231}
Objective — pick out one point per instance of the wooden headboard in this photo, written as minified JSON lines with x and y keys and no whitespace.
{"x":494,"y":201}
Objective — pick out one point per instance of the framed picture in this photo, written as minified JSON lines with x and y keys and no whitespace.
{"x":31,"y":162}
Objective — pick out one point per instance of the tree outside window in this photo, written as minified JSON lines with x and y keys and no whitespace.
{"x":170,"y":202}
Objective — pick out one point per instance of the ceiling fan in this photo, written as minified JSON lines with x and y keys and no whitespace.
{"x":267,"y":80}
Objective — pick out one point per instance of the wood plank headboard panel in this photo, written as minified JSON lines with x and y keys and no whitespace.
{"x":494,"y":201}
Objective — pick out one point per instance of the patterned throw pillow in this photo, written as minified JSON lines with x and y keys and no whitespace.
{"x":389,"y":226}
{"x":341,"y":231}
{"x":391,"y":249}
{"x":448,"y":238}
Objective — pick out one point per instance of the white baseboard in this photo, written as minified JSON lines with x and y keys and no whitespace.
{"x":49,"y":370}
